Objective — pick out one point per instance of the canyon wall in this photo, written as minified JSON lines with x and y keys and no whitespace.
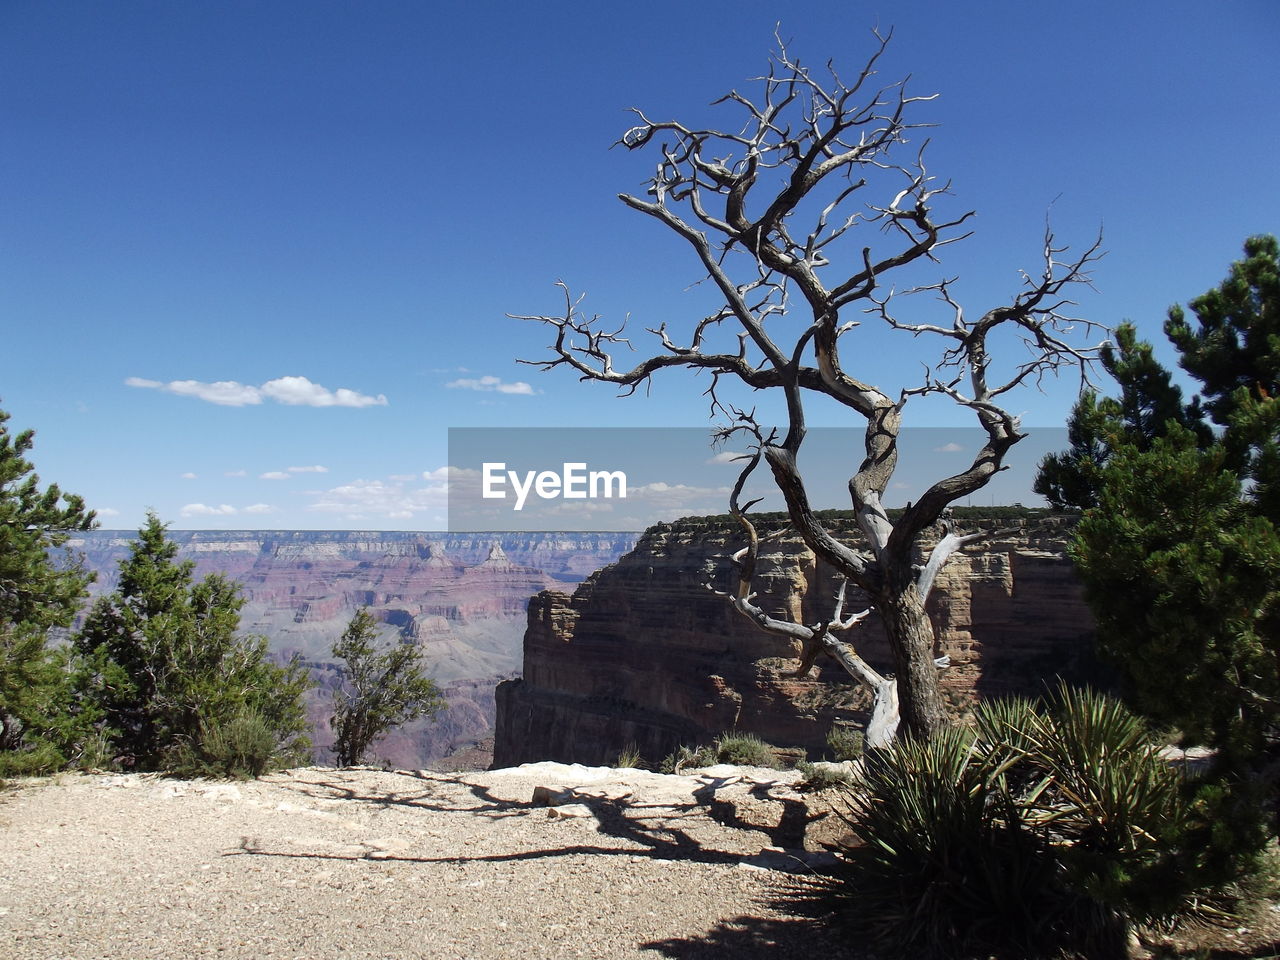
{"x":460,"y":597}
{"x":642,"y":653}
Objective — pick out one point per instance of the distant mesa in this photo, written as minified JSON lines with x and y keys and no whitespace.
{"x":497,"y":558}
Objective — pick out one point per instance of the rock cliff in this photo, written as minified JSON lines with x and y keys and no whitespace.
{"x":643,"y":653}
{"x":461,"y":597}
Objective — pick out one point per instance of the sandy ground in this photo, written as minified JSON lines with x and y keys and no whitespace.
{"x":318,"y":863}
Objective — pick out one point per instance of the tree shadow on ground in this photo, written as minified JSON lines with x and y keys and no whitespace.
{"x":789,"y":831}
{"x":751,"y":938}
{"x":435,"y":796}
{"x":650,"y":830}
{"x":809,"y":928}
{"x":801,"y":925}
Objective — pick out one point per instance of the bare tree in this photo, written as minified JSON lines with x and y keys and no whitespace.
{"x":775,"y":213}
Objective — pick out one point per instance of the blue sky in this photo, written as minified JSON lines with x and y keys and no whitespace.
{"x":332,"y":207}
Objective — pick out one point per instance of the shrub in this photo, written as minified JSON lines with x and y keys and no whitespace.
{"x":817,"y":778}
{"x":844,"y":743}
{"x":240,"y":748}
{"x":629,"y":757}
{"x":687,"y":757}
{"x":739,"y":749}
{"x":744,"y":750}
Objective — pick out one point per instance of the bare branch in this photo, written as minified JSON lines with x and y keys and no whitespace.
{"x":775,"y":205}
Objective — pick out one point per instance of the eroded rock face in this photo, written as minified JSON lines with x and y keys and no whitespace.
{"x":642,"y":653}
{"x":461,"y":597}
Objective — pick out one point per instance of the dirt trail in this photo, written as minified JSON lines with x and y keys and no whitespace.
{"x":319,"y":863}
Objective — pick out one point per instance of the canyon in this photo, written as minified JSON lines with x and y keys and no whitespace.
{"x":460,"y":597}
{"x":643,"y":655}
{"x":572,"y":647}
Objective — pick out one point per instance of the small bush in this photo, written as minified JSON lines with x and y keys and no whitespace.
{"x":240,"y":748}
{"x":37,"y":760}
{"x":738,"y":749}
{"x":818,"y":778}
{"x":844,"y":743}
{"x":744,"y":750}
{"x":629,"y":757}
{"x":687,"y":758}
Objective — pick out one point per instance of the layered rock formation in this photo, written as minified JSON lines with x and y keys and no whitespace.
{"x":461,"y":597}
{"x":642,"y":653}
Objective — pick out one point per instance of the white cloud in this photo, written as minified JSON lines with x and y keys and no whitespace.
{"x":188,"y":476}
{"x":680,"y":495}
{"x":226,"y":393}
{"x":260,"y":508}
{"x":492,"y":384}
{"x":107,"y":512}
{"x":948,"y":448}
{"x":393,"y":498}
{"x":201,"y":510}
{"x":236,"y":473}
{"x":291,"y":391}
{"x":316,"y":469}
{"x":445,"y":474}
{"x":274,"y":475}
{"x":299,"y":391}
{"x":731,"y":457}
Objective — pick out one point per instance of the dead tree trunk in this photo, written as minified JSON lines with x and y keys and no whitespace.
{"x":911,"y":638}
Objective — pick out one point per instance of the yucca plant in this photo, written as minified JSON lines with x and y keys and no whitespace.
{"x":942,"y":868}
{"x":1114,"y":811}
{"x":1043,"y":831}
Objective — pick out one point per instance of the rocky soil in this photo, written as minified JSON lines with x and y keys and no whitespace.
{"x":544,"y":860}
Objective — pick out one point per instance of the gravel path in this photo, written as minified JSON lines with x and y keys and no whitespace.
{"x":320,"y":863}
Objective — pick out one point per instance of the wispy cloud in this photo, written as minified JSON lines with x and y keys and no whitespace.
{"x":948,"y":448}
{"x":395,"y":498}
{"x":274,"y":475}
{"x":236,"y":473}
{"x":260,"y":508}
{"x":291,"y":391}
{"x":107,"y":512}
{"x":188,"y":476}
{"x":492,"y":385}
{"x":202,"y":510}
{"x":316,"y":469}
{"x":731,"y":457}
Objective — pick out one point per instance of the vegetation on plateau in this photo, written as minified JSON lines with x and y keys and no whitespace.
{"x":381,"y":689}
{"x":41,"y":588}
{"x":1179,"y":544}
{"x":165,"y":679}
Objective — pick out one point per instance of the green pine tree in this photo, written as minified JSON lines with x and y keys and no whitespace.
{"x":163,"y":670}
{"x":381,"y":689}
{"x":1149,"y":402}
{"x":39,"y":589}
{"x":1179,"y":545}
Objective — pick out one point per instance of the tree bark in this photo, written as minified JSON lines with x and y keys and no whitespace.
{"x":912,"y":640}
